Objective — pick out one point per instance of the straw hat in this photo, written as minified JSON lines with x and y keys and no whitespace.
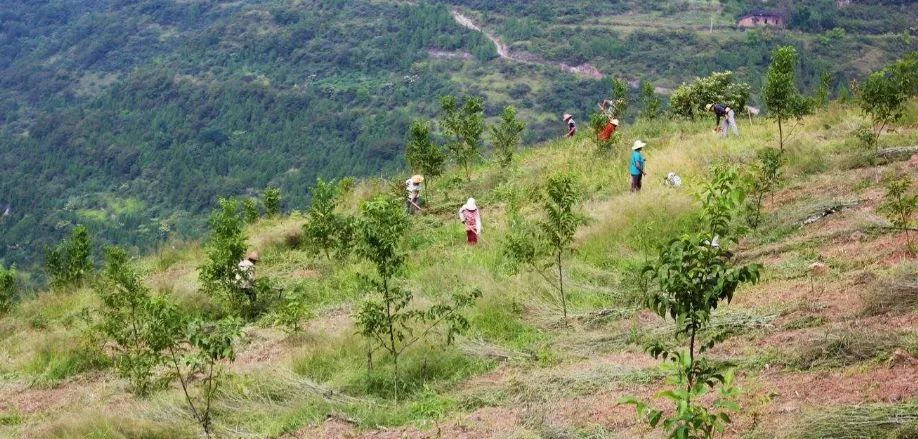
{"x":638,"y":145}
{"x":417,"y":179}
{"x":470,"y":205}
{"x":614,"y":122}
{"x":708,"y":107}
{"x":253,"y":256}
{"x":567,"y":116}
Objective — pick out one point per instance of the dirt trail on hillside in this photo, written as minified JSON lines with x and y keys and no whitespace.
{"x":585,"y":70}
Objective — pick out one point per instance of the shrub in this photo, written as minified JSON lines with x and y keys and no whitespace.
{"x":899,"y":206}
{"x":7,"y":289}
{"x":507,"y":137}
{"x":422,"y":154}
{"x":464,"y":124}
{"x":70,"y":263}
{"x":272,"y":201}
{"x":688,"y":100}
{"x":225,"y":249}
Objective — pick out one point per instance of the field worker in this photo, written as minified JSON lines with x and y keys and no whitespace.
{"x":413,"y":185}
{"x":725,"y":114}
{"x":637,"y":165}
{"x":245,"y":275}
{"x":571,"y":125}
{"x":673,"y":180}
{"x":607,"y":108}
{"x":471,"y":217}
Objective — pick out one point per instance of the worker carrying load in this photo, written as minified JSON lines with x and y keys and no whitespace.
{"x":571,"y":125}
{"x":471,"y":217}
{"x":723,"y":113}
{"x":414,"y":185}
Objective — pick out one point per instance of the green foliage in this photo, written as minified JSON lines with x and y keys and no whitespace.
{"x":272,"y":202}
{"x":545,"y":243}
{"x":422,"y":154}
{"x":326,"y":229}
{"x":70,"y":263}
{"x":8,"y":288}
{"x":763,"y":177}
{"x":883,"y":94}
{"x":464,"y":124}
{"x":507,"y":136}
{"x":220,"y":276}
{"x":620,"y":99}
{"x":652,"y":103}
{"x":692,"y":278}
{"x":250,"y":210}
{"x":821,"y":99}
{"x":127,"y":322}
{"x":780,"y":93}
{"x":388,"y":319}
{"x":899,"y":207}
{"x":688,"y":100}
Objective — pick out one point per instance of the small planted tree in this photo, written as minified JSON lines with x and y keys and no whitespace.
{"x":761,"y":180}
{"x":620,"y":99}
{"x":422,"y":154}
{"x":465,"y":125}
{"x":326,"y":229}
{"x":7,"y":289}
{"x":250,"y":210}
{"x":70,"y":263}
{"x":507,"y":137}
{"x":882,"y":98}
{"x":388,"y":318}
{"x":226,"y":247}
{"x":272,"y":202}
{"x":652,"y":103}
{"x":554,"y":234}
{"x":780,"y":92}
{"x":128,"y":323}
{"x":692,"y":277}
{"x":899,"y":207}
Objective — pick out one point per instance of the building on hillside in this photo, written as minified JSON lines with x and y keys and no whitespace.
{"x":761,"y":19}
{"x":842,"y":3}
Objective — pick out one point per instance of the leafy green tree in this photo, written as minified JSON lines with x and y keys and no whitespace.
{"x":899,"y":207}
{"x":780,"y":92}
{"x":554,"y":234}
{"x":272,"y":202}
{"x":326,"y":229}
{"x":127,"y":322}
{"x":620,"y":98}
{"x":70,"y":263}
{"x":389,"y":318}
{"x":882,"y":98}
{"x":761,"y":180}
{"x":250,"y":210}
{"x":507,"y":136}
{"x":822,"y":93}
{"x":652,"y":103}
{"x":905,"y":73}
{"x":422,"y":154}
{"x":225,"y":249}
{"x":7,"y":288}
{"x":465,"y":125}
{"x":692,"y":278}
{"x":689,"y":100}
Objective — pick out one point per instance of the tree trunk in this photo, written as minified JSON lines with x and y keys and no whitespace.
{"x":780,"y":135}
{"x":561,"y":285}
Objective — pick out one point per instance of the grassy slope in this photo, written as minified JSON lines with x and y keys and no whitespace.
{"x":517,"y":373}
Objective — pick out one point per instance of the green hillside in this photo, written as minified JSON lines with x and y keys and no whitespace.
{"x":818,"y":354}
{"x":132,"y":117}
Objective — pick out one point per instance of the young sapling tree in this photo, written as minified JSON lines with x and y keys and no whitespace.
{"x":507,"y":137}
{"x":761,"y":180}
{"x":465,"y":125}
{"x":780,"y":93}
{"x":899,"y":207}
{"x":7,"y":288}
{"x":653,"y":105}
{"x":220,"y":275}
{"x":70,"y":263}
{"x":422,"y":154}
{"x":272,"y":202}
{"x":693,"y":275}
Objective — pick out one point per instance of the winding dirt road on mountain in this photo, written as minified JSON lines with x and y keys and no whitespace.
{"x":503,"y":51}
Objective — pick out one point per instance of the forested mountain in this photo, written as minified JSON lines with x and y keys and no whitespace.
{"x":132,"y":117}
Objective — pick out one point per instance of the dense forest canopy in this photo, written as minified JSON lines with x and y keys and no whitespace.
{"x":132,"y":117}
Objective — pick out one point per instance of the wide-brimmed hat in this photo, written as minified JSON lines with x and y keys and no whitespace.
{"x":418,"y":179}
{"x":614,"y":122}
{"x":638,"y":145}
{"x":253,"y":256}
{"x":470,"y":205}
{"x":567,"y":116}
{"x":708,"y":107}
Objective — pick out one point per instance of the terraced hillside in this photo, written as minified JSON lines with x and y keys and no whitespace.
{"x":824,"y":353}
